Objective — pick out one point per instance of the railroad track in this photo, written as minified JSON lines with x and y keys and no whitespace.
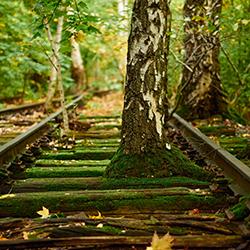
{"x":14,"y":121}
{"x":30,"y":129}
{"x":87,"y":211}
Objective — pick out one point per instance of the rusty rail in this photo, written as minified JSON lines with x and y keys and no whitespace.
{"x":233,"y":168}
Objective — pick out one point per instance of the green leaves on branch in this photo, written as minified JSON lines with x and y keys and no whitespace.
{"x":75,"y":12}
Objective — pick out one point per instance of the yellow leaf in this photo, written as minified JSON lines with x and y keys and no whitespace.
{"x":164,"y":243}
{"x":79,"y":36}
{"x":3,"y":238}
{"x":98,"y":217}
{"x":25,"y":235}
{"x":7,"y":196}
{"x":44,"y":213}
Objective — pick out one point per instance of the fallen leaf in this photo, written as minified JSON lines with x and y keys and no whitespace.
{"x":195,"y":211}
{"x":98,"y":217}
{"x":44,"y":213}
{"x":164,"y":243}
{"x":3,"y":238}
{"x":25,"y":235}
{"x":4,"y":196}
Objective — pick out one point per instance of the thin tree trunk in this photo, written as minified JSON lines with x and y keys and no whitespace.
{"x":53,"y":70}
{"x":55,"y":45}
{"x":122,"y":5}
{"x":77,"y":68}
{"x":202,"y":94}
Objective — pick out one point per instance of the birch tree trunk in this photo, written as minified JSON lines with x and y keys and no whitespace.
{"x":53,"y":69}
{"x":202,"y":94}
{"x":55,"y":45}
{"x":77,"y":68}
{"x":145,"y":103}
{"x":122,"y":5}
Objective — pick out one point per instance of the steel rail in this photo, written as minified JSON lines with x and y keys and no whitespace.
{"x":17,"y":145}
{"x":233,"y":168}
{"x":23,"y":107}
{"x":20,"y":108}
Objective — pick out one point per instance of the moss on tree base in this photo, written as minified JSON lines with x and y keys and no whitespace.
{"x":163,"y":163}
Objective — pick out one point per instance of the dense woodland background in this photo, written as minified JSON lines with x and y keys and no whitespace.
{"x":25,"y":49}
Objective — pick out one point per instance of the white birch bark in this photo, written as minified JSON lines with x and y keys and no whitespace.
{"x":55,"y":46}
{"x":78,"y":72}
{"x":53,"y":70}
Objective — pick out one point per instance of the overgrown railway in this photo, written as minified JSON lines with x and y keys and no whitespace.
{"x":83,"y":210}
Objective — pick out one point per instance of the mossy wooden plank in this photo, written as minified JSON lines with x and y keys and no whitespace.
{"x":100,"y":117}
{"x":101,"y":134}
{"x":26,"y":204}
{"x":125,"y":242}
{"x":48,"y":184}
{"x":53,"y":172}
{"x":70,"y":163}
{"x":217,"y":130}
{"x":98,"y":141}
{"x":105,"y":127}
{"x":80,"y":155}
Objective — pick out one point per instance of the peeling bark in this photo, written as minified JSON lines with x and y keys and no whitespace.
{"x":144,"y":151}
{"x":77,"y":68}
{"x":201,"y":89}
{"x":145,"y":104}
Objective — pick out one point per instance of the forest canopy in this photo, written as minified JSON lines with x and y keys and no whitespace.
{"x":25,"y":48}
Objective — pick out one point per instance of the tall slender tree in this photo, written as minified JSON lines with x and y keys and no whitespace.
{"x":77,"y":68}
{"x":144,"y":149}
{"x":55,"y":42}
{"x":201,"y":90}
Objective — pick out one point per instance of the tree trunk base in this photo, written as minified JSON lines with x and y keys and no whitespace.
{"x":163,"y":163}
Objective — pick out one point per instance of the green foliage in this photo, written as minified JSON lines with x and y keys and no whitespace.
{"x":22,"y":68}
{"x":104,"y":54}
{"x":235,"y":39}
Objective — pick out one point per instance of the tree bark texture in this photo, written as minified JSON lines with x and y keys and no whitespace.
{"x":145,"y":102}
{"x":77,"y":68}
{"x":55,"y":46}
{"x":202,"y":94}
{"x":53,"y":68}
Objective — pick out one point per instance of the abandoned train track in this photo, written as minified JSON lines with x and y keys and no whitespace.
{"x":17,"y":143}
{"x":83,"y":210}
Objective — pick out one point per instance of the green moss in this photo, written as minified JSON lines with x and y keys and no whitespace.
{"x":52,"y":172}
{"x":51,"y":184}
{"x":96,"y":147}
{"x":101,"y":134}
{"x":164,"y":163}
{"x":100,"y":117}
{"x":70,"y":163}
{"x":110,"y":183}
{"x":27,"y":204}
{"x":98,"y":141}
{"x":105,"y":126}
{"x":240,"y":211}
{"x":178,"y":231}
{"x":80,"y":155}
